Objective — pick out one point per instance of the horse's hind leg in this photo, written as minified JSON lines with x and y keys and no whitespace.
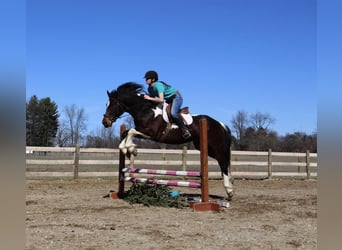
{"x":223,"y":159}
{"x":228,"y":181}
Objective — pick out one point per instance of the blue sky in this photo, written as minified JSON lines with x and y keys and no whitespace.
{"x":224,"y":56}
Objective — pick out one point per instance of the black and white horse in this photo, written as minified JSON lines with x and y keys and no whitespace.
{"x":150,"y":123}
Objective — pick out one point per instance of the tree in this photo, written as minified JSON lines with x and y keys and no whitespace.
{"x":252,"y":131}
{"x":41,"y":122}
{"x":32,"y":120}
{"x":49,"y":121}
{"x":239,"y":124}
{"x":75,"y":125}
{"x":299,"y":142}
{"x":63,"y":136}
{"x":104,"y":138}
{"x":129,"y":121}
{"x":261,"y":121}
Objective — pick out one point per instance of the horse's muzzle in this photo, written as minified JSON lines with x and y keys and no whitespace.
{"x":107,"y":122}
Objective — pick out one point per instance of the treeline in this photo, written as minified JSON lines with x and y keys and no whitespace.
{"x":44,"y":128}
{"x":249,"y":131}
{"x":252,"y":132}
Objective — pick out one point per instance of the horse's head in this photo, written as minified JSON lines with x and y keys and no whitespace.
{"x":114,"y":109}
{"x":126,"y":98}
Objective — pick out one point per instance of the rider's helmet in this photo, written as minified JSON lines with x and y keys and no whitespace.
{"x":151,"y":75}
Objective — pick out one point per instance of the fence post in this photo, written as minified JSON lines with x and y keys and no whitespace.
{"x":76,"y":160}
{"x":308,"y":172}
{"x":185,"y":149}
{"x":163,"y":148}
{"x":269,"y":163}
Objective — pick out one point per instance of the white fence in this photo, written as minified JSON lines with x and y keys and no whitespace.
{"x":76,"y":161}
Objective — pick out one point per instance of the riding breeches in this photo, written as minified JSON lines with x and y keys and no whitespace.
{"x":177,"y":103}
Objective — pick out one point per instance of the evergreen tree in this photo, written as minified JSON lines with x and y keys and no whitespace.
{"x":41,"y":122}
{"x":32,"y":121}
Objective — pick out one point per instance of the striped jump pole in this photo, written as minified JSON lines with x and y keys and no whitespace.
{"x":190,"y":184}
{"x":162,"y":172}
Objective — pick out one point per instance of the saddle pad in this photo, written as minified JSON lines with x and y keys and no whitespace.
{"x":186,"y":117}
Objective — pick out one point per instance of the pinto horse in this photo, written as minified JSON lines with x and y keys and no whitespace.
{"x":150,"y":124}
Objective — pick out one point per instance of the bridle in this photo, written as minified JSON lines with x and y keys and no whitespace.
{"x":122,"y":107}
{"x":112,"y":118}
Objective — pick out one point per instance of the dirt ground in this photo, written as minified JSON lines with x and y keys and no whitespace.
{"x":264,"y":214}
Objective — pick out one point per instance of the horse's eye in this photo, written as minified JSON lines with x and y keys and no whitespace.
{"x":107,"y":104}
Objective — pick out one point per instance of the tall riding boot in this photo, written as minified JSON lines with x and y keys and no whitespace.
{"x":185,"y":131}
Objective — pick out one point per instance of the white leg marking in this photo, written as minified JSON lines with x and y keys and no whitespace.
{"x":228,"y":184}
{"x":127,"y":143}
{"x":122,"y":146}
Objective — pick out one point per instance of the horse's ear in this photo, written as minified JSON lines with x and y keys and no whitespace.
{"x":108,"y":93}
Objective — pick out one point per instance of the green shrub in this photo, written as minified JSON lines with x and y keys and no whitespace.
{"x":153,"y":195}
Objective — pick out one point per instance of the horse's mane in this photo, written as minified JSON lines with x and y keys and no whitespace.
{"x":132,"y":91}
{"x":129,"y":88}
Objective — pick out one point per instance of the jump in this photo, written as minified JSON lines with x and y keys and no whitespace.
{"x":152,"y":122}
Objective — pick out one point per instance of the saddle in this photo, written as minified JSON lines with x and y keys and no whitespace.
{"x":183,"y":112}
{"x":165,"y":111}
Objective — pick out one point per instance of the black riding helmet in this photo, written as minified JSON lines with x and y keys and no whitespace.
{"x":151,"y":75}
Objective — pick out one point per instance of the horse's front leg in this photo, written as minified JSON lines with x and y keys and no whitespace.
{"x":127,"y":146}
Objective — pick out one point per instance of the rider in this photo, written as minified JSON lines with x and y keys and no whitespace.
{"x":160,"y":91}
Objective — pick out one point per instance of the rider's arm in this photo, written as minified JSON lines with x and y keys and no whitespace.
{"x":159,"y":99}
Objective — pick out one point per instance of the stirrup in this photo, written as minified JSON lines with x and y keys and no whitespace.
{"x":186,"y":134}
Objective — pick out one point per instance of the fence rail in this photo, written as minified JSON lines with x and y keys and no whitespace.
{"x":76,"y":161}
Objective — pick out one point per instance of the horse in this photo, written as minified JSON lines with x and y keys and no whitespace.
{"x":150,"y":124}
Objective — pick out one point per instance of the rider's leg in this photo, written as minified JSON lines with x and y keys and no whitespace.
{"x":185,"y":131}
{"x":176,"y":105}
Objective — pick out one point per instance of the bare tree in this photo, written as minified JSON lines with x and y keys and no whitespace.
{"x":129,"y":122}
{"x":251,"y":130}
{"x":240,"y":124}
{"x":76,"y":120}
{"x":261,"y":121}
{"x":103,"y":137}
{"x":109,"y":137}
{"x":63,"y":136}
